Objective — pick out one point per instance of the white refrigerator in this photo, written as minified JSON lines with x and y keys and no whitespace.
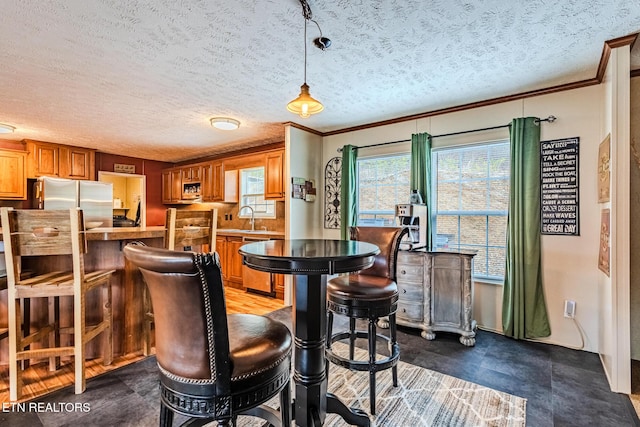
{"x":93,"y":197}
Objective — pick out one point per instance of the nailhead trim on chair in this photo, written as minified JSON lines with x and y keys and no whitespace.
{"x":219,"y":406}
{"x":200,"y":260}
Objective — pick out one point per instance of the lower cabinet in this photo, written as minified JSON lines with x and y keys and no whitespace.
{"x":238,"y":276}
{"x":230,"y":260}
{"x":436,"y":293}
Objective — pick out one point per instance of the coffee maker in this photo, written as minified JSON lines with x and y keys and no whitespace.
{"x":413,"y":217}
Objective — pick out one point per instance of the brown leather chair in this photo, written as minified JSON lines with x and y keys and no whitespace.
{"x":211,"y":365}
{"x":368,"y":294}
{"x":186,"y":230}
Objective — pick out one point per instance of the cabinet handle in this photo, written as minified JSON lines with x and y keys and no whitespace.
{"x":403,"y":272}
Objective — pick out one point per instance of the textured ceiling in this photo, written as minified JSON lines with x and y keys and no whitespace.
{"x":142,"y":78}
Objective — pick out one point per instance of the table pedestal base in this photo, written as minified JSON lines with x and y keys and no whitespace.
{"x":312,"y":402}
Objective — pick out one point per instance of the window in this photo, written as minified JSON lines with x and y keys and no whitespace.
{"x":471,"y":195}
{"x":252,"y":194}
{"x":382,"y":183}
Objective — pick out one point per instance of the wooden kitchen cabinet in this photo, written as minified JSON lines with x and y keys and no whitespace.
{"x":235,"y":259}
{"x":213,"y":182}
{"x":278,"y":285}
{"x":230,"y":260}
{"x":13,"y":175}
{"x":48,"y":159}
{"x":436,"y":293}
{"x":76,"y":163}
{"x":192,"y":173}
{"x":274,"y":175}
{"x":171,"y":185}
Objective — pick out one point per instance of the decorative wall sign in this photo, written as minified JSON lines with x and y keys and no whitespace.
{"x":559,"y":190}
{"x":122,"y":168}
{"x":303,"y":189}
{"x":604,"y":252}
{"x":332,"y":176}
{"x":604,"y":174}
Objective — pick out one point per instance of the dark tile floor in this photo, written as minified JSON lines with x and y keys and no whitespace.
{"x":563,"y":387}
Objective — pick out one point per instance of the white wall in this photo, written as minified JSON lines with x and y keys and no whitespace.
{"x":569,"y":262}
{"x":635,"y":218}
{"x":614,"y":303}
{"x":303,"y":220}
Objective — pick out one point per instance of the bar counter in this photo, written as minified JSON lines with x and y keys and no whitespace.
{"x":104,"y":252}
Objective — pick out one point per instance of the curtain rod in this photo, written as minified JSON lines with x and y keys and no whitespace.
{"x":549,"y":119}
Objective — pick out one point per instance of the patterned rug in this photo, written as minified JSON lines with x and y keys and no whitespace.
{"x":422,"y":398}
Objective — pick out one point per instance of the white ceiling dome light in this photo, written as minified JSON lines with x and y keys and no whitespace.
{"x":225,"y":123}
{"x":6,"y":128}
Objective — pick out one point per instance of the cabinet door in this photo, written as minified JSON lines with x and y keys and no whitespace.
{"x":43,"y":159}
{"x":217,"y":182}
{"x":278,"y":285}
{"x":207,"y":182}
{"x":166,"y":186}
{"x":76,"y":163}
{"x":221,"y":248}
{"x":235,"y":260}
{"x":447,"y":290}
{"x":274,"y":175}
{"x":191,"y":173}
{"x":176,"y":185}
{"x":13,"y":177}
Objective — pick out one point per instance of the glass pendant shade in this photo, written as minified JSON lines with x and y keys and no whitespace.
{"x":304,"y":105}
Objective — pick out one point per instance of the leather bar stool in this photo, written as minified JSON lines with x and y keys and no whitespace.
{"x":212,"y":366}
{"x":368,"y":294}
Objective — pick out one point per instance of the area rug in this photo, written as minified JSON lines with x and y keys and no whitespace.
{"x":422,"y":398}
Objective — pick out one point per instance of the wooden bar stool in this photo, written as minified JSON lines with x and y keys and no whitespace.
{"x":368,"y":294}
{"x":45,"y":233}
{"x":186,"y":230}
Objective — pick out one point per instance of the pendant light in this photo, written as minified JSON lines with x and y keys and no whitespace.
{"x":305,"y":105}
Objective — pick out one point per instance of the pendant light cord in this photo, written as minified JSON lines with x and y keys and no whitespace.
{"x":305,"y":51}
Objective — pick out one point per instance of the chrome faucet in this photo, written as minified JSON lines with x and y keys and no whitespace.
{"x":252,"y":221}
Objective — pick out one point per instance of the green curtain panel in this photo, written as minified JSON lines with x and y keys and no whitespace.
{"x":524,"y":311}
{"x":348,"y":191}
{"x":421,"y":174}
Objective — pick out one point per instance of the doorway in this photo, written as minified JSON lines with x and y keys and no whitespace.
{"x":129,"y":194}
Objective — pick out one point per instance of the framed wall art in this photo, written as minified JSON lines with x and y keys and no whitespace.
{"x":604,"y":172}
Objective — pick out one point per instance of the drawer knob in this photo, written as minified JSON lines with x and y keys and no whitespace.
{"x":403,"y":272}
{"x":404,"y":310}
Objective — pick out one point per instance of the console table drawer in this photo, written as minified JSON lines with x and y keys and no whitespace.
{"x":410,"y":291}
{"x":410,"y":311}
{"x":410,"y":273}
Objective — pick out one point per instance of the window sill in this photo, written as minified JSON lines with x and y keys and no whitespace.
{"x":488,"y":282}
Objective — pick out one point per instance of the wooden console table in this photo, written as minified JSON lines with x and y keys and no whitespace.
{"x":436,"y":293}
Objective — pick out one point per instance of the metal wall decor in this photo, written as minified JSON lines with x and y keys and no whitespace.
{"x":332,"y":177}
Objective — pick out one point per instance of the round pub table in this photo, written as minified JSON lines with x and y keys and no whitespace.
{"x":310,"y":261}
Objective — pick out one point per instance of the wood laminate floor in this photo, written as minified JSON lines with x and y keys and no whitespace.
{"x":39,"y":381}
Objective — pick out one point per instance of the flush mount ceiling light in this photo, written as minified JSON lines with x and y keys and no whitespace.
{"x":225,"y":123}
{"x":6,"y":128}
{"x":305,"y":105}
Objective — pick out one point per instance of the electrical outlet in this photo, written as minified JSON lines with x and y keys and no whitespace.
{"x":569,"y":309}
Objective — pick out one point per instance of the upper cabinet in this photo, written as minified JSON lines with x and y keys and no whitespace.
{"x":217,"y":180}
{"x":171,"y":185}
{"x":274,"y":175}
{"x":47,"y":159}
{"x":13,"y":178}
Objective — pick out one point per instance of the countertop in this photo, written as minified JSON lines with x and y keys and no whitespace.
{"x":126,"y":233}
